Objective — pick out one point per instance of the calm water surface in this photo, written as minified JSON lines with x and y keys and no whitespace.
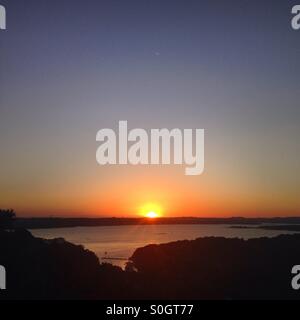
{"x":121,"y":241}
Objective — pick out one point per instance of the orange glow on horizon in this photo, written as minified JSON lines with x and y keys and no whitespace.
{"x":142,"y":191}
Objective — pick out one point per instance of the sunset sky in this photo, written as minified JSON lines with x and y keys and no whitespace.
{"x":229,"y":67}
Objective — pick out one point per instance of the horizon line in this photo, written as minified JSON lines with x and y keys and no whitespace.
{"x":158,"y":218}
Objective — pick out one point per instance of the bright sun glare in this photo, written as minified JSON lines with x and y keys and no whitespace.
{"x":151,"y":210}
{"x":151,"y":214}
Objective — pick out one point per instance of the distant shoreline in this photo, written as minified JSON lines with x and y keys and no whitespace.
{"x":50,"y":223}
{"x":290,"y":227}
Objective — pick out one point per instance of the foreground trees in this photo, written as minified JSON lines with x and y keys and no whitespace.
{"x":7,"y":218}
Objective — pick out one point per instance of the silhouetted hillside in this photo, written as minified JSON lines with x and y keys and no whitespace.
{"x":220,"y":268}
{"x":207,"y":268}
{"x":55,"y":269}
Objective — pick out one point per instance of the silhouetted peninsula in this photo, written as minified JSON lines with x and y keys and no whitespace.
{"x":275,"y":227}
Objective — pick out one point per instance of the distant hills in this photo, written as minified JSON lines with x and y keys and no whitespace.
{"x":45,"y":223}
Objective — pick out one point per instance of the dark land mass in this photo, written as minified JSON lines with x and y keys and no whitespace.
{"x":55,"y":269}
{"x":47,"y":223}
{"x":205,"y":268}
{"x":290,"y":227}
{"x":282,"y":228}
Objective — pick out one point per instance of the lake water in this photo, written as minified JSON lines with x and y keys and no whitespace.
{"x":121,"y":241}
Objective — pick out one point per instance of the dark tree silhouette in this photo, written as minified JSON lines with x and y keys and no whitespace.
{"x":7,"y":218}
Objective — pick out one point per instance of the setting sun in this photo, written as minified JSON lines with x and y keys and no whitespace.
{"x":151,"y":215}
{"x":151,"y":210}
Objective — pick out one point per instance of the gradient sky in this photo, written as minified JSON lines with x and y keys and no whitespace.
{"x":70,"y":68}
